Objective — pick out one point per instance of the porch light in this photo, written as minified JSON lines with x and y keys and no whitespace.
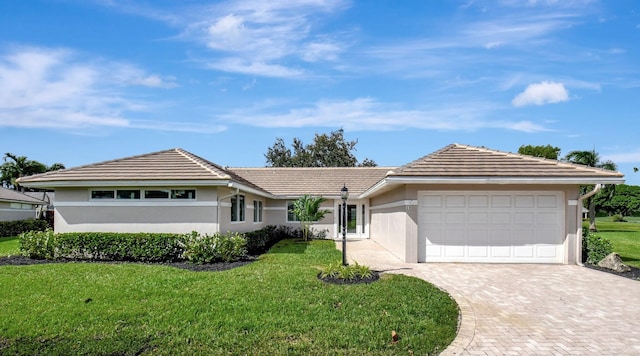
{"x":344,"y":194}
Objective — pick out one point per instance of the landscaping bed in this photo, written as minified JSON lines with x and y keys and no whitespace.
{"x":634,"y":273}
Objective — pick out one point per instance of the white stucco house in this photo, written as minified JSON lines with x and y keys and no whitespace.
{"x":458,"y":204}
{"x":18,"y":206}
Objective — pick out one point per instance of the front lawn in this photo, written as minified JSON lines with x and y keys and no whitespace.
{"x":624,"y":237}
{"x":275,"y":305}
{"x":9,"y":246}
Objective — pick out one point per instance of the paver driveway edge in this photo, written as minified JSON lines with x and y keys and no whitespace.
{"x":369,"y":253}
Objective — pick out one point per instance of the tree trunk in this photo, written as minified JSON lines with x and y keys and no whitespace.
{"x":592,"y":215}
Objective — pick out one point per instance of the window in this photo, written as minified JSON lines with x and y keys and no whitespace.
{"x":156,"y":194}
{"x":128,"y":194}
{"x":291,"y":217}
{"x":102,"y":194}
{"x":257,"y":211}
{"x":183,"y":194}
{"x":21,"y":206}
{"x":237,"y":207}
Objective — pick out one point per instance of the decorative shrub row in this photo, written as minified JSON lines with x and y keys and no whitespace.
{"x":15,"y":228}
{"x":595,"y":248}
{"x":260,"y":241}
{"x":202,"y":249}
{"x":151,"y":247}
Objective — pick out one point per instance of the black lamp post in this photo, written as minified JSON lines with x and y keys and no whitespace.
{"x":344,"y":194}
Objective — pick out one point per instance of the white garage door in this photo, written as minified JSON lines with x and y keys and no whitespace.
{"x":503,"y":227}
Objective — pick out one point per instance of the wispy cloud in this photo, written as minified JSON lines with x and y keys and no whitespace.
{"x":59,"y":88}
{"x":626,"y":157}
{"x":541,"y":93}
{"x":263,"y":37}
{"x":367,"y":114}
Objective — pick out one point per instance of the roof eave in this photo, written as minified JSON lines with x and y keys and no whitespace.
{"x":396,"y":180}
{"x":127,"y":183}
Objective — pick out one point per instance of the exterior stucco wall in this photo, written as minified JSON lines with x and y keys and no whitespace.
{"x":276,"y":214}
{"x":76,"y":212}
{"x":9,"y":214}
{"x":240,"y":226}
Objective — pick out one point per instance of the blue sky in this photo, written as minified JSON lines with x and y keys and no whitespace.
{"x":87,"y":81}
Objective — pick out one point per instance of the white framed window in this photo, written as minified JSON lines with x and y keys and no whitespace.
{"x":237,"y":208}
{"x":138,"y":194}
{"x":257,"y":211}
{"x":127,"y":194}
{"x":20,"y":206}
{"x":291,"y":217}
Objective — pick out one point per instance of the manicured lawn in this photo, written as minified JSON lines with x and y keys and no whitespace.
{"x":9,"y":246}
{"x":274,"y":306}
{"x":624,"y":236}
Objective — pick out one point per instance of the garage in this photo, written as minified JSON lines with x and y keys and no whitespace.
{"x":491,"y":226}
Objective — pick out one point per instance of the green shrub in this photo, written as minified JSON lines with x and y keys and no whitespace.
{"x":260,"y":241}
{"x":618,"y":218}
{"x":38,"y":244}
{"x":15,"y":228}
{"x":337,"y":270}
{"x":596,"y":247}
{"x":203,"y":249}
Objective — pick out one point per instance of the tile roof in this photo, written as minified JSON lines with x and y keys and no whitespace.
{"x":467,"y":161}
{"x":168,"y":165}
{"x":325,"y":181}
{"x":14,"y":196}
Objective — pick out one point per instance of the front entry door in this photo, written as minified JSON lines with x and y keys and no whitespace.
{"x":352,"y":218}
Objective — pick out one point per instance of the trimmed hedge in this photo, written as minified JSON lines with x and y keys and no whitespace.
{"x":15,"y":228}
{"x":260,"y":241}
{"x":151,"y":247}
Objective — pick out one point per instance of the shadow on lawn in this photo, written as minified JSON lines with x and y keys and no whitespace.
{"x":293,"y":246}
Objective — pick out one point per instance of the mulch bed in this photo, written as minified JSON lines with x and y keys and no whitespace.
{"x":375,"y":276}
{"x":633,"y":274}
{"x":211,"y":267}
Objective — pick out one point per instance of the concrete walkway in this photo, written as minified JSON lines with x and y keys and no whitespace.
{"x":510,"y":309}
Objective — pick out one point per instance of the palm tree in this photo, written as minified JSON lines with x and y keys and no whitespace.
{"x":592,"y":159}
{"x":15,"y":167}
{"x":307,"y":210}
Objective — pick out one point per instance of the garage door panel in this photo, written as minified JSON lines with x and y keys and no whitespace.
{"x":507,"y":227}
{"x":524,"y":201}
{"x":481,"y":218}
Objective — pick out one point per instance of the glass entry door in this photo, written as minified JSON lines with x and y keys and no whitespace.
{"x":352,"y":218}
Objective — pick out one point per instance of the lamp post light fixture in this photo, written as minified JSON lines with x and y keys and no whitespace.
{"x":344,"y":194}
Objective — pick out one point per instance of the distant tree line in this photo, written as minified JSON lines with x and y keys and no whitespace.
{"x":15,"y":167}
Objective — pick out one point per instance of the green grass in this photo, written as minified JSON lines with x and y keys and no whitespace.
{"x":624,"y":237}
{"x":274,"y":306}
{"x":9,"y":246}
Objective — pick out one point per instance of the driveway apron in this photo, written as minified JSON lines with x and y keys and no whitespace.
{"x":526,"y":309}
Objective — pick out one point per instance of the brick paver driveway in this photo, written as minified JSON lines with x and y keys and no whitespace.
{"x":510,"y":309}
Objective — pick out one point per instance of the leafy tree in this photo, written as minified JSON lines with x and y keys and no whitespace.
{"x":547,"y":151}
{"x":326,"y":151}
{"x":15,"y":167}
{"x":307,"y":210}
{"x":625,"y":201}
{"x":592,"y":159}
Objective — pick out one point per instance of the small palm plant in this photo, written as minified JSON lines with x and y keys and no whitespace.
{"x":307,"y":210}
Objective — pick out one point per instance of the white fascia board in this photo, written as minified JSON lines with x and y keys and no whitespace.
{"x":247,"y":189}
{"x":127,"y":183}
{"x":388,"y":181}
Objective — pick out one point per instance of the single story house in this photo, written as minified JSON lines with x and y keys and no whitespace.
{"x":18,"y":206}
{"x":458,"y":204}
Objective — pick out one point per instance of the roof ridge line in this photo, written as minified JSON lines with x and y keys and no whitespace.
{"x":190,"y":156}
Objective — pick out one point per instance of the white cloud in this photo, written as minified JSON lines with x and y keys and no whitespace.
{"x":541,"y":93}
{"x":58,"y":88}
{"x":263,"y":37}
{"x":369,"y":114}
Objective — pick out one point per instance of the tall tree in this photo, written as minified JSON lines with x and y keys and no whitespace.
{"x":547,"y":151}
{"x":625,"y":201}
{"x":326,"y":151}
{"x":592,"y":159}
{"x":15,"y":167}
